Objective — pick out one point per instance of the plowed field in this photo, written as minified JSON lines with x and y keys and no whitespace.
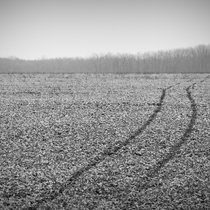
{"x":112,"y":141}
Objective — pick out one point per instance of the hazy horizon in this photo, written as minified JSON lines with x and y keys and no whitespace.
{"x":66,"y":28}
{"x":95,"y":55}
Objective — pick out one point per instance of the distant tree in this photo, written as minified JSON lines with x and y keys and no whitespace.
{"x":190,"y":60}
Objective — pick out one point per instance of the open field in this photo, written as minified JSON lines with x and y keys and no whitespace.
{"x":104,"y":141}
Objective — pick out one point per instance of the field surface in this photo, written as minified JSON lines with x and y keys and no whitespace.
{"x":112,"y":141}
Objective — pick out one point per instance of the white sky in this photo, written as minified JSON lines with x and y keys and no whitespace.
{"x":32,"y":29}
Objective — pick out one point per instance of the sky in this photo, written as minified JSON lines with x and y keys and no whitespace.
{"x":34,"y":29}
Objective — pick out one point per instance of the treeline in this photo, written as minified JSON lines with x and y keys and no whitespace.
{"x":190,"y":60}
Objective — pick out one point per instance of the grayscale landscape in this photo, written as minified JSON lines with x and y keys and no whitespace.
{"x":104,"y":105}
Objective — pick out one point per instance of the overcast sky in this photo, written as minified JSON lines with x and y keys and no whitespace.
{"x":32,"y":29}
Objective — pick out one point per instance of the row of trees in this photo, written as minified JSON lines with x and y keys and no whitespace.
{"x":190,"y":60}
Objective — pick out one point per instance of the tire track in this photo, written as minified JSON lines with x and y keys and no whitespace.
{"x":101,"y":157}
{"x":111,"y":150}
{"x":173,"y":150}
{"x":153,"y":172}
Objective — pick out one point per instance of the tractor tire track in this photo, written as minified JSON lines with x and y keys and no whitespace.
{"x":173,"y":150}
{"x":153,"y":172}
{"x":111,"y":150}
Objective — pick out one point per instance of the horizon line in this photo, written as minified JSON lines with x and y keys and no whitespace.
{"x":94,"y":55}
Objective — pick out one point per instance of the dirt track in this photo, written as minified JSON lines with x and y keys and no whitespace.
{"x":115,"y":148}
{"x":172,"y":152}
{"x":101,"y":157}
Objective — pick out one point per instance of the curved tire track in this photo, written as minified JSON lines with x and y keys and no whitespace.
{"x":111,"y":150}
{"x":173,"y":150}
{"x":102,"y":156}
{"x":153,"y":172}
